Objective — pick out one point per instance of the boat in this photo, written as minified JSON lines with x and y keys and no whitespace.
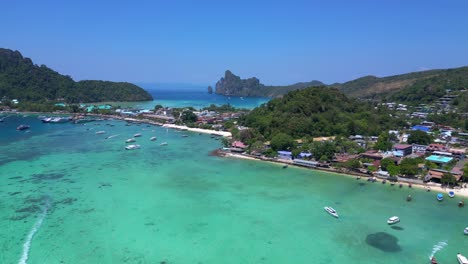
{"x":410,"y":185}
{"x":285,"y":166}
{"x":100,"y":132}
{"x":132,"y":147}
{"x":358,"y":177}
{"x":428,"y":189}
{"x":331,"y":211}
{"x":434,"y":261}
{"x":384,"y":181}
{"x":462,"y":259}
{"x":184,"y":135}
{"x":57,"y":120}
{"x":451,"y":194}
{"x":440,"y":197}
{"x":163,"y":144}
{"x":393,"y":220}
{"x":409,"y":197}
{"x":46,"y":119}
{"x":137,"y":135}
{"x":22,"y":127}
{"x":2,"y":119}
{"x":153,"y":138}
{"x":465,"y":231}
{"x":461,"y":203}
{"x":401,"y":185}
{"x":130,"y":140}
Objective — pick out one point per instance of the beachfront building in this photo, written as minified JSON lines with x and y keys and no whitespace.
{"x":238,"y":146}
{"x":286,"y":155}
{"x":419,"y":148}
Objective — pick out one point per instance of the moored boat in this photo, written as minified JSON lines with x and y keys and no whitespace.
{"x":331,"y":211}
{"x":393,"y":220}
{"x":461,"y":203}
{"x":132,"y":147}
{"x":153,"y":138}
{"x":137,"y":135}
{"x":462,"y":259}
{"x":451,"y":194}
{"x":465,"y":231}
{"x":440,"y":197}
{"x":409,"y":197}
{"x":22,"y":127}
{"x":130,"y":140}
{"x":163,"y":144}
{"x":100,"y":132}
{"x":285,"y":166}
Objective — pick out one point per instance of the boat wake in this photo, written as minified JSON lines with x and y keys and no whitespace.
{"x":37,"y":225}
{"x":437,"y":247}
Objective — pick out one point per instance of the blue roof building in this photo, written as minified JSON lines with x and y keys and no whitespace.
{"x":421,"y":128}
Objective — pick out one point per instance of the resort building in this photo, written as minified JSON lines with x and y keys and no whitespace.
{"x":402,"y":150}
{"x":287,"y":155}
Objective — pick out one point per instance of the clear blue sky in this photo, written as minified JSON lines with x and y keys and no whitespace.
{"x":280,"y":42}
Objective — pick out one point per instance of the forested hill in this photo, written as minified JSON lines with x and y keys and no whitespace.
{"x":319,"y":111}
{"x":412,"y":88}
{"x":417,"y":87}
{"x":233,"y":85}
{"x":21,"y":79}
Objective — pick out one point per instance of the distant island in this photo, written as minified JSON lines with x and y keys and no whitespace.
{"x":233,"y":85}
{"x":22,"y":80}
{"x":416,"y":87}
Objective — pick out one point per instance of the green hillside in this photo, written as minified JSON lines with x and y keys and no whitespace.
{"x":416,"y":87}
{"x":319,"y":111}
{"x":23,"y":80}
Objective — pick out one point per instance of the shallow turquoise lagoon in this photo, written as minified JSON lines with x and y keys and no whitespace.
{"x":69,"y":195}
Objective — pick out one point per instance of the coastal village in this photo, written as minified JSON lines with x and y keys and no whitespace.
{"x":426,"y":153}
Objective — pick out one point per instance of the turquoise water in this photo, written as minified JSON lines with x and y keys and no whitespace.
{"x":196,"y":96}
{"x":69,"y":195}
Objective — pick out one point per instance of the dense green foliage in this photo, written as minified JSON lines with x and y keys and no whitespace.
{"x":21,"y":79}
{"x":419,"y":137}
{"x":413,"y":88}
{"x":430,"y":89}
{"x":233,"y":85}
{"x":318,"y":111}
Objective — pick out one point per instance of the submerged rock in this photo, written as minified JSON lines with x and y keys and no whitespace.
{"x":383,"y":241}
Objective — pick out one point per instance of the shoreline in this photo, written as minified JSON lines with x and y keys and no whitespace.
{"x":145,"y":121}
{"x":433,"y":187}
{"x":463,"y":192}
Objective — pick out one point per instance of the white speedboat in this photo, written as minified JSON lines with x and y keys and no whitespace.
{"x":466,"y":231}
{"x":164,"y":144}
{"x":132,"y":147}
{"x":100,"y":132}
{"x":462,"y":259}
{"x":331,"y":211}
{"x":130,"y":140}
{"x":137,"y":135}
{"x":393,"y":220}
{"x":153,"y":138}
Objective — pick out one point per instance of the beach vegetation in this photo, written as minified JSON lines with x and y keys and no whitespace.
{"x":383,"y":142}
{"x":282,"y":141}
{"x":448,"y":179}
{"x":419,"y":137}
{"x":410,"y":167}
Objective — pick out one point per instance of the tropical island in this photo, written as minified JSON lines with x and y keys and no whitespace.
{"x":310,"y":124}
{"x":39,"y":88}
